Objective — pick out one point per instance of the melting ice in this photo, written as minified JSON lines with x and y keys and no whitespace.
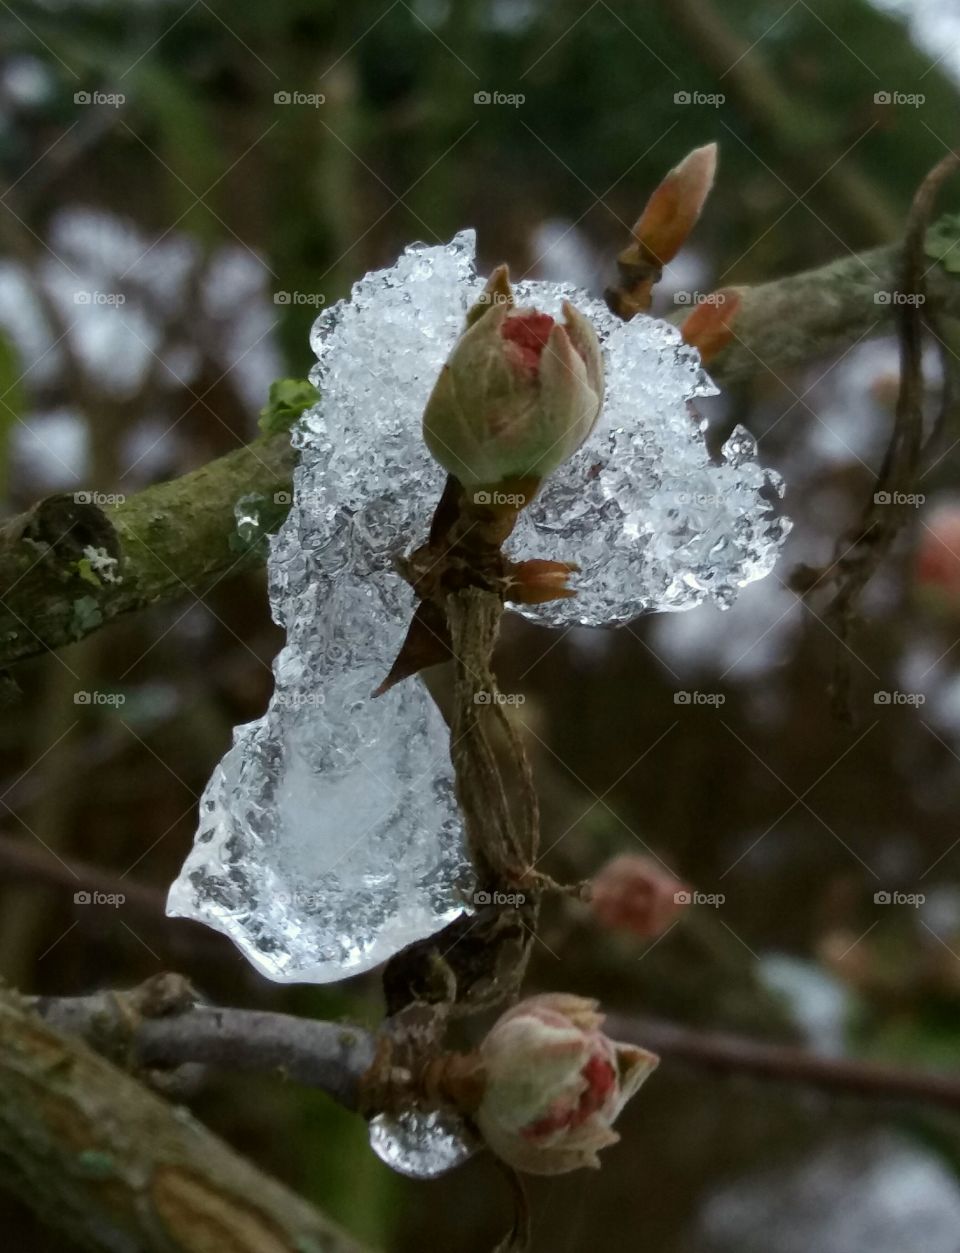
{"x":329,"y":836}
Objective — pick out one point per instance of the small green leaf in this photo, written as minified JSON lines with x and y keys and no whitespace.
{"x":288,"y":399}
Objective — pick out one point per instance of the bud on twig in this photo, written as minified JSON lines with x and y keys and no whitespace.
{"x":519,"y":393}
{"x":658,"y":234}
{"x":555,"y":1084}
{"x":635,"y":893}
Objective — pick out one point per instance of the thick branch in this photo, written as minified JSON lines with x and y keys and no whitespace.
{"x":798,"y":320}
{"x":176,"y":537}
{"x":93,"y":1151}
{"x":172,"y":539}
{"x":159,"y":1025}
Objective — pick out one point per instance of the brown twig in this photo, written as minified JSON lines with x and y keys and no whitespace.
{"x":724,"y":1054}
{"x":859,"y":556}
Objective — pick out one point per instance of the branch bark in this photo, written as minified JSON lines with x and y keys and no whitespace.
{"x":175,"y":537}
{"x":171,"y":539}
{"x":158,"y":1025}
{"x":94,"y":1152}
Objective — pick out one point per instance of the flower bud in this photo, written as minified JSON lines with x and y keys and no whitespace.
{"x":635,"y":893}
{"x":554,"y":1084}
{"x":519,"y":393}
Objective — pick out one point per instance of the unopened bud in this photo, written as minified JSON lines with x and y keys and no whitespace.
{"x":519,"y":393}
{"x":555,"y":1084}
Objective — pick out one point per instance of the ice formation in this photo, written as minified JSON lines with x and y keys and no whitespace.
{"x":329,"y":836}
{"x":423,"y":1144}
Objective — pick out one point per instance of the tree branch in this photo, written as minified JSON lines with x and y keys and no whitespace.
{"x":159,"y":1025}
{"x":176,"y":537}
{"x":93,"y":1151}
{"x":173,"y":538}
{"x":735,"y":1055}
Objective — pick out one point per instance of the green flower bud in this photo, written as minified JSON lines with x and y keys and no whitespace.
{"x":519,"y":393}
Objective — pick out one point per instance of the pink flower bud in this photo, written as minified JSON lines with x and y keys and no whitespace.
{"x":635,"y":893}
{"x":555,"y":1084}
{"x":518,"y":395}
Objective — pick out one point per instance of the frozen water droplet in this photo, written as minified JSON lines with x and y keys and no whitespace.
{"x":421,"y":1144}
{"x":329,"y":833}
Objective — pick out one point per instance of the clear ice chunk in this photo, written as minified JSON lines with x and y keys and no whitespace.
{"x":423,"y":1145}
{"x":329,"y":836}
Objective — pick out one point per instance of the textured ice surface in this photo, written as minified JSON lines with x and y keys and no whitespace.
{"x":329,"y":837}
{"x":422,"y":1145}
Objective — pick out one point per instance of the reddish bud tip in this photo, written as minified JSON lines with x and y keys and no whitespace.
{"x":710,"y":326}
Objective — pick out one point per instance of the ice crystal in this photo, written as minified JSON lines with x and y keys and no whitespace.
{"x":329,"y":836}
{"x":421,"y":1144}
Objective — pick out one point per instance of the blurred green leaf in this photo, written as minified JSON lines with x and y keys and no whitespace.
{"x":288,"y":399}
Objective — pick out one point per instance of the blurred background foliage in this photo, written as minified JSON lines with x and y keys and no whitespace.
{"x":224,"y":217}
